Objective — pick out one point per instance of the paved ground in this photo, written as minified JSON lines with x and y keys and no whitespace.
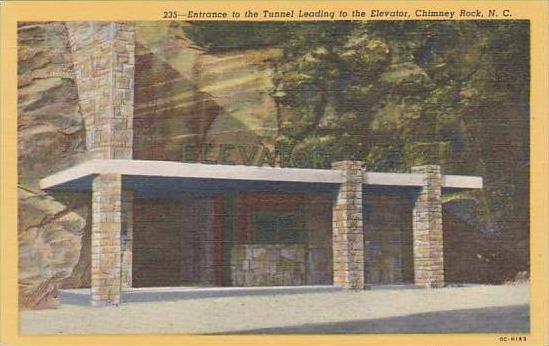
{"x":317,"y":310}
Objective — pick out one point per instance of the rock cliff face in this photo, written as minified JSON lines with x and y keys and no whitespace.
{"x":50,"y":138}
{"x":50,"y":235}
{"x":185,"y":95}
{"x":50,"y":128}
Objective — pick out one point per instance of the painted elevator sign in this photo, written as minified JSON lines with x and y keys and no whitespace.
{"x":254,"y":155}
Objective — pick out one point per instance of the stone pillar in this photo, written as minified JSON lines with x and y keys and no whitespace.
{"x":103,"y":55}
{"x":427,"y":229}
{"x":126,"y":239}
{"x":106,"y":230}
{"x":348,"y":233}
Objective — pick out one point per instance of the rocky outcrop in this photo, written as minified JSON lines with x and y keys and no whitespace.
{"x":50,"y":128}
{"x":50,"y":137}
{"x":188,"y":96}
{"x":49,"y":246}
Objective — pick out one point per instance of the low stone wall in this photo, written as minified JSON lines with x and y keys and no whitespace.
{"x":268,"y":265}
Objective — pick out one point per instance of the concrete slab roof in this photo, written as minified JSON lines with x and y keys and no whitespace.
{"x":461,"y":182}
{"x":167,"y":173}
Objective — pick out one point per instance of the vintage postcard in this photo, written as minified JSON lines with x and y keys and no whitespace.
{"x":274,"y":172}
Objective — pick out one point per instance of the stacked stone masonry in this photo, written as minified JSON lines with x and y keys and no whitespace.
{"x":103,"y":56}
{"x":106,"y":230}
{"x":427,"y":229}
{"x":348,"y":232}
{"x":126,"y":240}
{"x":268,"y":265}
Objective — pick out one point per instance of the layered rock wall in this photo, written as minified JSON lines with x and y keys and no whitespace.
{"x":187,"y":96}
{"x":51,"y":137}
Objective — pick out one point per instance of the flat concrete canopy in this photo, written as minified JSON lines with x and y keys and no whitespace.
{"x":142,"y":175}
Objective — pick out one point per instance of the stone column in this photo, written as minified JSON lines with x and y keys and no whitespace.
{"x":127,"y":239}
{"x":106,"y":230}
{"x":427,"y":229}
{"x":348,"y":233}
{"x":103,"y":54}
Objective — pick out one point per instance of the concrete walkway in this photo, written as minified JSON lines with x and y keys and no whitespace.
{"x":288,"y":310}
